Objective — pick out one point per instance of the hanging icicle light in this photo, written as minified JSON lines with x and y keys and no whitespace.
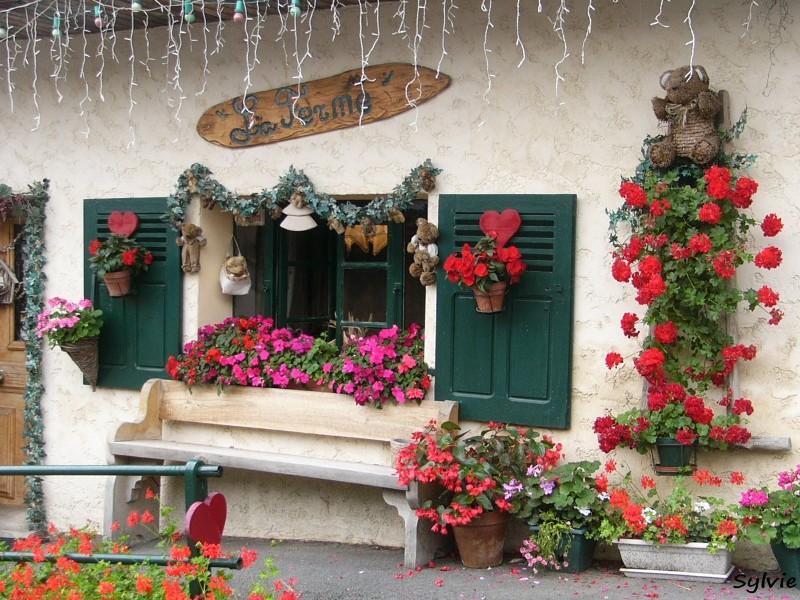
{"x":98,"y":16}
{"x":188,"y":12}
{"x":238,"y":13}
{"x":295,"y":9}
{"x":136,"y":6}
{"x":56,"y":27}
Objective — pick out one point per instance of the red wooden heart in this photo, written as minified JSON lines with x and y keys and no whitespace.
{"x":505,"y":224}
{"x":205,"y":521}
{"x":123,"y":223}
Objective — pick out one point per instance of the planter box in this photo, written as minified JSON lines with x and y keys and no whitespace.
{"x":688,"y":562}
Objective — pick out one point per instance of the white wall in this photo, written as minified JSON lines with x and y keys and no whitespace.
{"x":519,"y":136}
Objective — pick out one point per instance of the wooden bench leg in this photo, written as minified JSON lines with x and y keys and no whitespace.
{"x":421,"y":544}
{"x":124,"y":494}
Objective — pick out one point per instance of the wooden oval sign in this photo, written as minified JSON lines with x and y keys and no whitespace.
{"x":322,"y":105}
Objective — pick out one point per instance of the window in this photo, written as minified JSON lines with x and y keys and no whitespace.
{"x":142,"y":330}
{"x":512,"y":366}
{"x":319,"y":281}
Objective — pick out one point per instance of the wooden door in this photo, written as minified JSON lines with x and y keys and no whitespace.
{"x":13,"y":376}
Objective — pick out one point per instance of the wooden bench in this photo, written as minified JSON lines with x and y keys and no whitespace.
{"x":168,"y":411}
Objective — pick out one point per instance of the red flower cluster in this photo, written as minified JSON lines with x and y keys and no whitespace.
{"x":487,"y":263}
{"x":685,"y":245}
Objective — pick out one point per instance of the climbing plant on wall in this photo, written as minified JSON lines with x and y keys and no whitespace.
{"x":30,"y":208}
{"x":196,"y":182}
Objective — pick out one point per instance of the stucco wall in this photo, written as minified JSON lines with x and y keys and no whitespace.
{"x":519,"y":135}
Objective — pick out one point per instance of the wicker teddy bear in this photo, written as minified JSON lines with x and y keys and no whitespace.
{"x":690,"y":109}
{"x":190,"y":242}
{"x":425,"y":251}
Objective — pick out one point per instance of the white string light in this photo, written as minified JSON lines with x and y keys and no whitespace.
{"x":589,"y":11}
{"x":78,"y":15}
{"x":448,"y":26}
{"x":558,"y":27}
{"x":519,"y":43}
{"x":486,"y":6}
{"x":657,"y":20}
{"x":691,"y":42}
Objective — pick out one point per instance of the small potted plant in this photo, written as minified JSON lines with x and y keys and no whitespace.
{"x":675,"y":423}
{"x":116,"y":259}
{"x":74,"y":327}
{"x":472,"y":472}
{"x":773,"y":516}
{"x":680,"y":531}
{"x":488,"y":269}
{"x":564,"y":506}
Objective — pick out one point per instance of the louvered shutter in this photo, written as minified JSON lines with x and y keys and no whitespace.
{"x":512,"y":366}
{"x":142,"y":330}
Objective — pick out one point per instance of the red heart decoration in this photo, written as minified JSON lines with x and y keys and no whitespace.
{"x":123,"y":223}
{"x":505,"y":224}
{"x":205,"y":521}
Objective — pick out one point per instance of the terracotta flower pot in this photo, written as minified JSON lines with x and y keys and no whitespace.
{"x":480,"y":542}
{"x":491,"y":301}
{"x":118,"y":283}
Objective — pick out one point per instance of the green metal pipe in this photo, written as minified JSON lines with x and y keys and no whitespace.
{"x":155,"y":470}
{"x":122,"y":559}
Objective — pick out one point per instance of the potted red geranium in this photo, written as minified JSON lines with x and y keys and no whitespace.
{"x":116,"y":259}
{"x":488,"y":269}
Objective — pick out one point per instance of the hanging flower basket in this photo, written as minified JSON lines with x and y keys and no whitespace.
{"x":492,"y":301}
{"x":118,"y":283}
{"x":84,"y":353}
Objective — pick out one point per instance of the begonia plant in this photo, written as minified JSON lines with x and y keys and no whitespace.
{"x":473,"y":470}
{"x":678,"y":239}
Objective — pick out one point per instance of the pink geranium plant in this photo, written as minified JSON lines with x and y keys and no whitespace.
{"x":678,"y":239}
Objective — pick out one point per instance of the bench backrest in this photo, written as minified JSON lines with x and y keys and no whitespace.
{"x":314,"y":413}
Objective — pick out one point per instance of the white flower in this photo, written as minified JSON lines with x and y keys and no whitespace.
{"x":701,"y":506}
{"x":585,"y":511}
{"x":649,"y":514}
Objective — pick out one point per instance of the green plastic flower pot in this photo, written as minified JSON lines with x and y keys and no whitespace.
{"x":788,"y":559}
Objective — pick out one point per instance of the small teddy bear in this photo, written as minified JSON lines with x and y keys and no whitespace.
{"x":691,"y":110}
{"x":190,"y":241}
{"x":425,"y":251}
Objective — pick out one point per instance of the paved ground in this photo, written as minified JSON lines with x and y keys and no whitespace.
{"x":328,"y":571}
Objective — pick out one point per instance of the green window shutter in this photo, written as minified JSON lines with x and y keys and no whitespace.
{"x":513,"y":366}
{"x":142,"y":330}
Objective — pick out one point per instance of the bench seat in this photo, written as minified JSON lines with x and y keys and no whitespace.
{"x":278,"y":432}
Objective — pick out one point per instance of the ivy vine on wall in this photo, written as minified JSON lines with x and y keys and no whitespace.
{"x":294,"y":186}
{"x":30,"y":208}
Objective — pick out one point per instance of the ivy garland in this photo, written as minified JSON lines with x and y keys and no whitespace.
{"x":30,"y":208}
{"x":294,"y":186}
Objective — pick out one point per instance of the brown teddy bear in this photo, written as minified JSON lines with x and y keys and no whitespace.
{"x":691,"y":110}
{"x":190,"y":241}
{"x":425,"y":251}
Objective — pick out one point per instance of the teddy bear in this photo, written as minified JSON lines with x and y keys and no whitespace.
{"x":690,"y":109}
{"x":190,"y":241}
{"x":425,"y":251}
